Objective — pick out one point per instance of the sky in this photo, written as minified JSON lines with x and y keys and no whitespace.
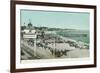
{"x":56,"y":19}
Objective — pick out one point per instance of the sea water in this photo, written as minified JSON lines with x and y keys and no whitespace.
{"x":78,"y":35}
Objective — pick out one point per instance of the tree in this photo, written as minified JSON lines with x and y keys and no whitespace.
{"x":29,"y":25}
{"x":23,"y":27}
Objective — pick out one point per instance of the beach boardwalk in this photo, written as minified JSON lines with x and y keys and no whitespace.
{"x":30,"y":34}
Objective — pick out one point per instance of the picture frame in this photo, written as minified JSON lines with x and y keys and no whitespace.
{"x":32,"y":14}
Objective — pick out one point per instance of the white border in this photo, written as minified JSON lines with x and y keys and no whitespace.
{"x":53,"y":62}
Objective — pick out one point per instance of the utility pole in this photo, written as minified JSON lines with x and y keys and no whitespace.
{"x":54,"y":47}
{"x":35,"y":47}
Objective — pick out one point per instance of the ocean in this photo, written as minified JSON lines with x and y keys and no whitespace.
{"x":78,"y":35}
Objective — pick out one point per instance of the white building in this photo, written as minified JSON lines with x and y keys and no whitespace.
{"x":29,"y":32}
